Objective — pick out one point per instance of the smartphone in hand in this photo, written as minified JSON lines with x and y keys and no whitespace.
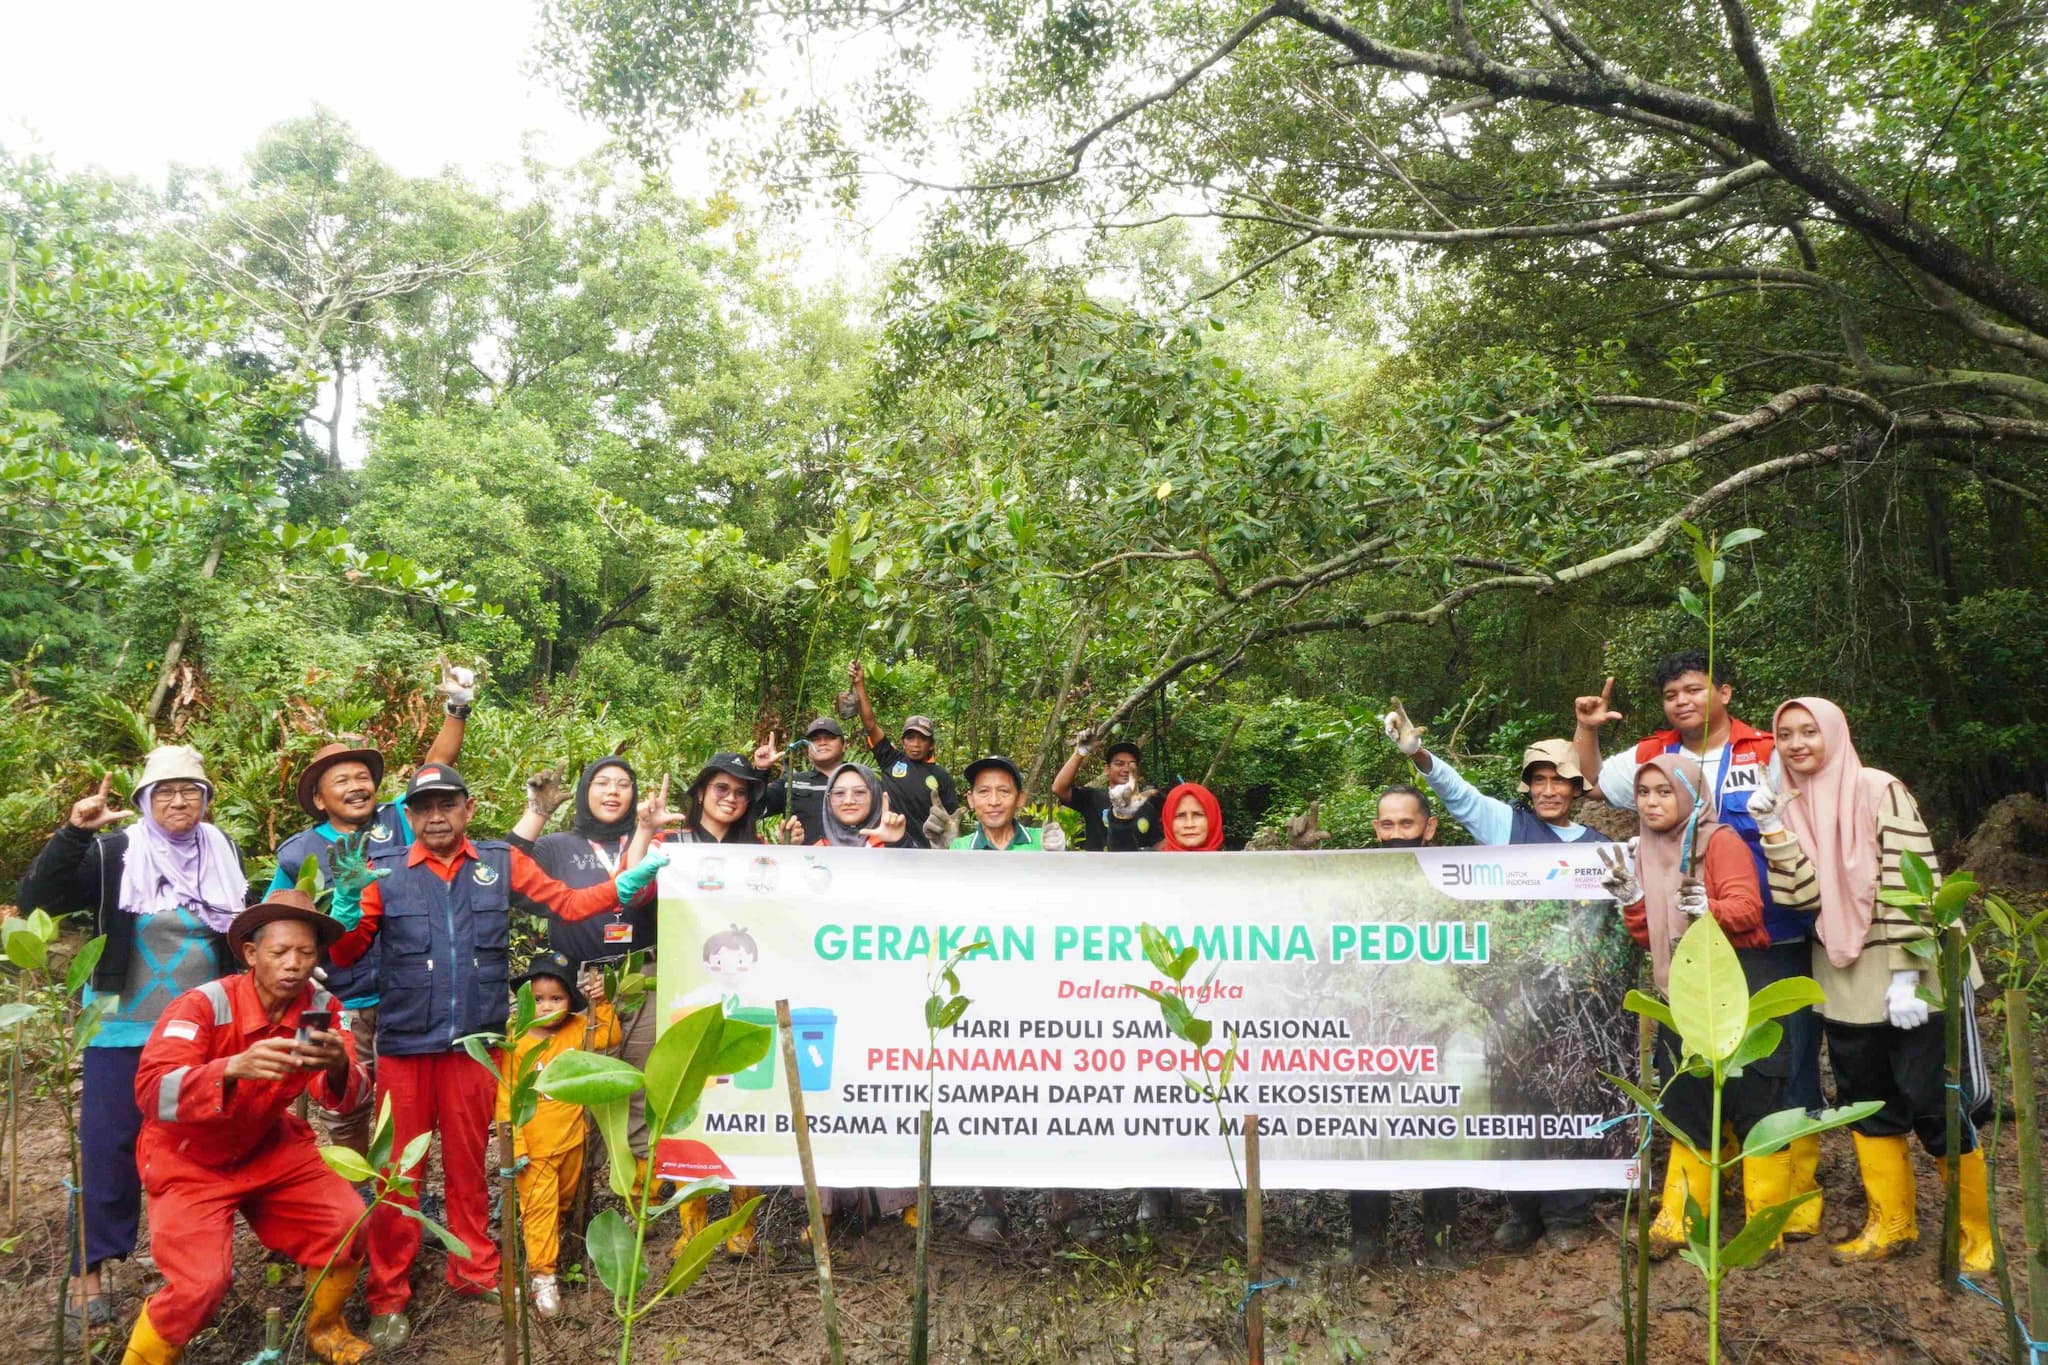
{"x":313,"y":1021}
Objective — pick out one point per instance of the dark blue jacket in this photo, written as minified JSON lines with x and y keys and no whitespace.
{"x":443,"y":951}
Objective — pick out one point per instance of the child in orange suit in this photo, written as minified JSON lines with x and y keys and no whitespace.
{"x":552,"y":1142}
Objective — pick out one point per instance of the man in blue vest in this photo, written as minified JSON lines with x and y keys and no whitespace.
{"x":1736,"y":762}
{"x":1551,"y":785}
{"x":338,"y":791}
{"x":439,"y":916}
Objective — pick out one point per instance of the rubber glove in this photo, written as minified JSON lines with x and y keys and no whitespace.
{"x":1618,"y":881}
{"x":1405,"y":733}
{"x":457,"y":689}
{"x":635,"y":879}
{"x":1902,"y":1002}
{"x":352,"y":876}
{"x":1763,"y":808}
{"x":942,"y":826}
{"x":1051,"y":837}
{"x":1692,"y":897}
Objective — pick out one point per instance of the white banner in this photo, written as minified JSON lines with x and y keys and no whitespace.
{"x":1402,"y":1018}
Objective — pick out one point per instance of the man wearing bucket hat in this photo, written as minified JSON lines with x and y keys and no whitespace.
{"x":439,"y":916}
{"x":1551,"y":785}
{"x":163,"y":893}
{"x":800,"y":795}
{"x":337,"y":790}
{"x":219,"y":1077}
{"x":918,"y":786}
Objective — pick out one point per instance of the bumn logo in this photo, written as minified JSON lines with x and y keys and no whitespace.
{"x":1473,"y":874}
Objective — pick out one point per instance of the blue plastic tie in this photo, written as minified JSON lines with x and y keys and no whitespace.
{"x":1620,"y":1119}
{"x":2038,"y":1349}
{"x":508,"y":1172}
{"x":266,"y":1356}
{"x":1283,"y":1282}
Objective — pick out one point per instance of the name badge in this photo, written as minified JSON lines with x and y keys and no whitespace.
{"x":618,"y":931}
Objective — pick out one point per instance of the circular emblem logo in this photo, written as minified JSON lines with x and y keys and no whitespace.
{"x":483,"y":874}
{"x":901,"y":769}
{"x":711,"y":874}
{"x":1144,"y":826}
{"x":761,"y":875}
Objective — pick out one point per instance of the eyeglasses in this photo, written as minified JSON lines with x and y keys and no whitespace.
{"x":179,"y":791}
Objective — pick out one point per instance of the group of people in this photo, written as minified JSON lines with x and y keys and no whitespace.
{"x":219,"y":1017}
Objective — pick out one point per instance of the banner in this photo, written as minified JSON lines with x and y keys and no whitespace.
{"x":1403,"y":1018}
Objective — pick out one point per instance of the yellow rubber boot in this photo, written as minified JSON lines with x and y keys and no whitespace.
{"x":1684,"y":1173}
{"x":1976,"y":1248}
{"x":146,"y":1347}
{"x":1892,"y":1224}
{"x":327,"y":1334}
{"x":1766,"y":1180}
{"x":746,"y":1241}
{"x":696,"y":1216}
{"x":1805,"y":1157}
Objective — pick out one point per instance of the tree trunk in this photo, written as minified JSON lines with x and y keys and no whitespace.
{"x":176,"y":649}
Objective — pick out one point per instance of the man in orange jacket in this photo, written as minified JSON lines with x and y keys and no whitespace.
{"x":216,"y":1083}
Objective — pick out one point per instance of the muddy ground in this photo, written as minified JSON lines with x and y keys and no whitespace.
{"x":1166,"y":1298}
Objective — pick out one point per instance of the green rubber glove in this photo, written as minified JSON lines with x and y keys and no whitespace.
{"x":352,"y":875}
{"x":634,"y":879}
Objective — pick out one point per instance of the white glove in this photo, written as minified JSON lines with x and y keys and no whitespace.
{"x":1692,"y":897}
{"x":942,"y":826}
{"x":1051,"y":837}
{"x":1763,"y":807}
{"x":1084,"y":742}
{"x":1902,"y":1002}
{"x":1405,"y":733}
{"x":1618,"y":881}
{"x":458,"y":687}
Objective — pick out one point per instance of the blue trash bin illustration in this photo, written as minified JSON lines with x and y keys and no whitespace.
{"x":814,"y":1030}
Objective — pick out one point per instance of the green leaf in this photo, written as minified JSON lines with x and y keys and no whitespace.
{"x":523,"y":1011}
{"x":454,"y":1245}
{"x":1198,"y":1030}
{"x":955,"y":1007}
{"x":382,"y":1135}
{"x":1158,"y":951}
{"x":87,"y":1024}
{"x":839,"y":553}
{"x":613,"y":1126}
{"x":934,"y":1005}
{"x":741,"y":1044}
{"x":348,"y":1164}
{"x":1229,"y":1067}
{"x":309,"y":877}
{"x":609,"y":1241}
{"x":480,"y":1046}
{"x":1185,"y":959}
{"x":1913,"y":870}
{"x":1784,"y":997}
{"x":1760,"y":1042}
{"x":17,"y":1012}
{"x":1760,"y":1232}
{"x":27,"y":951}
{"x":1775,"y":1132}
{"x":1690,"y":600}
{"x":415,"y":1152}
{"x":1649,"y":1104}
{"x":1649,"y":1005}
{"x":589,"y":1078}
{"x":1904,"y":900}
{"x":80,"y":970}
{"x":1740,"y":537}
{"x":1709,"y":997}
{"x":690,"y":1262}
{"x":1953,"y":894}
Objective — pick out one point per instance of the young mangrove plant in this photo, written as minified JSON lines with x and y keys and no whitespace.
{"x":941,"y":1012}
{"x":1722,"y":1028}
{"x":688,"y":1056}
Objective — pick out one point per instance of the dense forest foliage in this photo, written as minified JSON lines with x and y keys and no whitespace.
{"x":1269,"y":364}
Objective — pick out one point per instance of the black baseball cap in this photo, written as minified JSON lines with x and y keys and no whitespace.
{"x":824,"y":725}
{"x":558,"y":966}
{"x":920,"y":725}
{"x":982,"y":765}
{"x":435,"y":777}
{"x":1123,"y":746}
{"x":732,"y":765}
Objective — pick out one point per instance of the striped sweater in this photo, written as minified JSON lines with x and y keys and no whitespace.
{"x":1855,"y":994}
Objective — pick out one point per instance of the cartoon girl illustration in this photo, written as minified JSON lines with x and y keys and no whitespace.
{"x":730,"y":955}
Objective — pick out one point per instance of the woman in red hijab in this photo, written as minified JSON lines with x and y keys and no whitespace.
{"x":1194,"y":820}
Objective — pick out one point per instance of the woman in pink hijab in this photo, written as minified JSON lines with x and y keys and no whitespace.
{"x":1835,"y":837}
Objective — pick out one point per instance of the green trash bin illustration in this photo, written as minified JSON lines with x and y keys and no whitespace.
{"x":761,"y":1075}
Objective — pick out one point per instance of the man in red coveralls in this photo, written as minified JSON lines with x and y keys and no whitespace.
{"x":438,"y":915}
{"x":216,"y":1083}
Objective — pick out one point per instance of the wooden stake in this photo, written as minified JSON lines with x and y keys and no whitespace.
{"x":510,"y":1283}
{"x":819,"y":1248}
{"x":2027,"y":1128}
{"x":1254,"y":1243}
{"x":920,"y":1298}
{"x":273,"y":1331}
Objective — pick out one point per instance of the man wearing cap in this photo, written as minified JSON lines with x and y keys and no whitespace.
{"x":913,"y":779}
{"x":1122,"y":815}
{"x":995,"y":791}
{"x":1552,"y":783}
{"x":219,"y":1077}
{"x":801,"y":795}
{"x":439,"y":916}
{"x":338,"y":791}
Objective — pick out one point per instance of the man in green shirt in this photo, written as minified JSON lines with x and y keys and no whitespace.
{"x":995,"y":789}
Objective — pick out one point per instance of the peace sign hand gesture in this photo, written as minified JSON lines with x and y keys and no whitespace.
{"x":768,"y":753}
{"x":95,"y":812}
{"x":1594,"y":712}
{"x":655,"y":816}
{"x":889,"y":827}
